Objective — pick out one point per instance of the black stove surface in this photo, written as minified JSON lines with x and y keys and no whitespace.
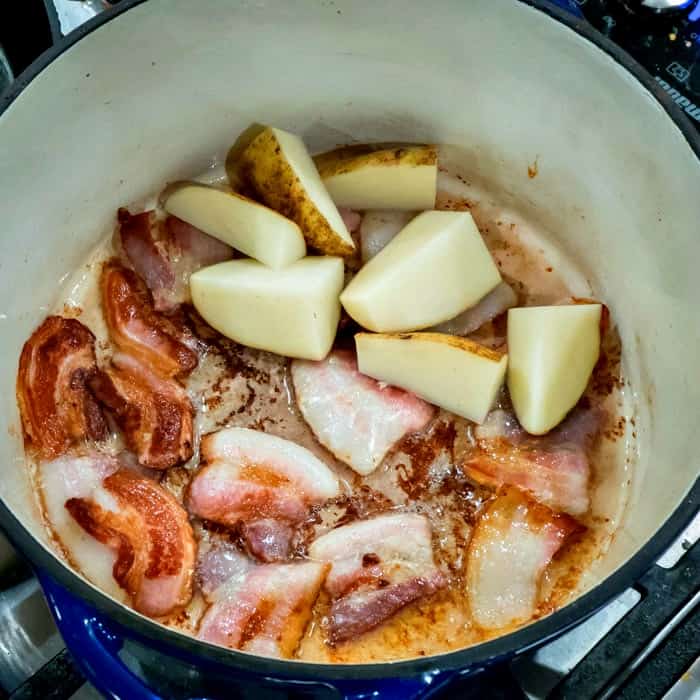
{"x":665,"y":41}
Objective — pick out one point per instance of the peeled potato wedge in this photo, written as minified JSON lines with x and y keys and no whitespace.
{"x":277,"y":167}
{"x":293,"y":311}
{"x":454,"y":373}
{"x":552,"y":350}
{"x":246,"y":225}
{"x":434,"y":269}
{"x":376,"y":177}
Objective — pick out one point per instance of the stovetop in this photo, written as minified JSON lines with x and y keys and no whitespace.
{"x":667,"y":43}
{"x":661,"y":614}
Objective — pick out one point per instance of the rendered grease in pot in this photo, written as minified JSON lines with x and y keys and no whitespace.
{"x":286,"y":410}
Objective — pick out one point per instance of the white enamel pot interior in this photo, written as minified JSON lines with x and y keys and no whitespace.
{"x":160,"y":90}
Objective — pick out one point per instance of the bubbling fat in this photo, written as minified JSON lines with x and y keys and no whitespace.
{"x":235,"y":386}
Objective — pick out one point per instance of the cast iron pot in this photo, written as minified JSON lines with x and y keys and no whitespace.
{"x":157,"y":93}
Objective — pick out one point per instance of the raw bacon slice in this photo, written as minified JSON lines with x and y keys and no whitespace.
{"x":192,"y":249}
{"x":137,"y":329}
{"x":166,"y":254}
{"x":148,"y":255}
{"x":364,"y":610}
{"x":154,"y":412}
{"x":358,"y":419}
{"x":378,"y":567}
{"x":396,"y":546}
{"x":265,"y":610}
{"x":512,"y":545}
{"x":123,"y":531}
{"x":496,"y":302}
{"x":578,"y":429}
{"x":351,"y":218}
{"x":268,"y":540}
{"x":219,"y":561}
{"x":56,"y":407}
{"x":262,"y":481}
{"x":554,"y":469}
{"x":378,"y":228}
{"x":80,"y":477}
{"x":557,"y":479}
{"x":500,"y":425}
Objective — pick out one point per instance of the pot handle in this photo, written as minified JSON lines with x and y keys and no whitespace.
{"x":92,"y":645}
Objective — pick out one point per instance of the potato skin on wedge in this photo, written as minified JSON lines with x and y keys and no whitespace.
{"x":276,"y":166}
{"x":381,"y":176}
{"x":454,"y":373}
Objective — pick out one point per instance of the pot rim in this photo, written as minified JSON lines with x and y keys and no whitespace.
{"x":532,"y":635}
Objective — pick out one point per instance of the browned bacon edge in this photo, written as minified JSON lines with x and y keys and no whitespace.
{"x":56,"y":407}
{"x":154,"y":412}
{"x":136,"y":328}
{"x":151,"y":537}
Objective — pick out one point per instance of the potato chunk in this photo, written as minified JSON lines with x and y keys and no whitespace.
{"x":293,"y":311}
{"x":246,"y":225}
{"x":434,"y":269}
{"x":377,"y":177}
{"x":279,"y":169}
{"x":454,"y":373}
{"x":552,"y":350}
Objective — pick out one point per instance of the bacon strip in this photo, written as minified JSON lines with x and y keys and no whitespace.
{"x":512,"y":545}
{"x":500,"y":425}
{"x":251,"y":476}
{"x":148,"y":255}
{"x":362,"y":611}
{"x":354,"y":416}
{"x":68,"y":477}
{"x":268,"y":540}
{"x":554,"y":469}
{"x":57,"y":410}
{"x":192,"y":248}
{"x":151,"y":536}
{"x":165,"y":255}
{"x":114,"y":522}
{"x":266,"y":610}
{"x":379,"y":566}
{"x":154,"y":413}
{"x":557,"y":479}
{"x":137,"y":329}
{"x":351,"y":218}
{"x":219,"y":561}
{"x":496,"y":302}
{"x":378,"y":228}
